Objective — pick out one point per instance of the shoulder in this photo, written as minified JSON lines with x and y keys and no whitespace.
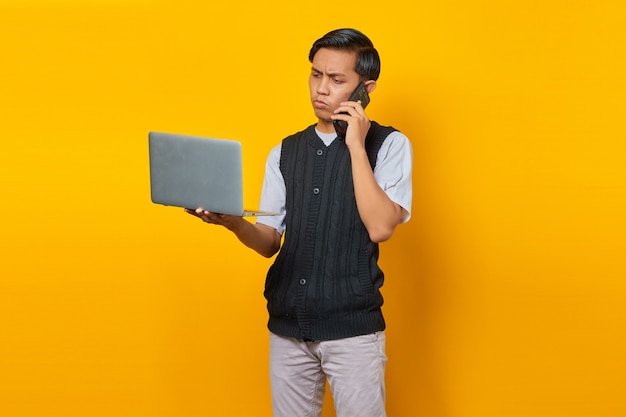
{"x":389,"y":135}
{"x":385,"y":134}
{"x":396,"y":143}
{"x":383,"y":140}
{"x":380,"y":129}
{"x":274,"y":155}
{"x":398,"y":138}
{"x":303,"y":133}
{"x":273,"y":158}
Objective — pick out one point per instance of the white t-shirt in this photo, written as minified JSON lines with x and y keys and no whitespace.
{"x":394,"y":164}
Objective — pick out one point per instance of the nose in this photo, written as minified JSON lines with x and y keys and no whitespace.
{"x":322,"y":86}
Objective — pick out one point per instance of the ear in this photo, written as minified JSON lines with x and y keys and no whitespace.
{"x":370,"y":85}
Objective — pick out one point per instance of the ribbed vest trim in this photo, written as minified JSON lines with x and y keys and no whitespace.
{"x":325,"y":282}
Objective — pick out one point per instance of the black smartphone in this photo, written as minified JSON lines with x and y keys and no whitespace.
{"x":360,"y":93}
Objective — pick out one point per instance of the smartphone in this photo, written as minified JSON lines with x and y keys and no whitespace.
{"x":341,"y":126}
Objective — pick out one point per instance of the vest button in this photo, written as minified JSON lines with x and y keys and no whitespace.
{"x":302,"y":281}
{"x":316,"y":191}
{"x":320,"y":152}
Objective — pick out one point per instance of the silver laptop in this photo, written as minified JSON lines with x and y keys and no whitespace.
{"x":195,"y":172}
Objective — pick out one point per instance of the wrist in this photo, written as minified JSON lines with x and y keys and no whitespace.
{"x":357,"y":151}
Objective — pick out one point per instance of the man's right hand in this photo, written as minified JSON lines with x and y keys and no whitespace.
{"x":263,"y":239}
{"x":226,"y":220}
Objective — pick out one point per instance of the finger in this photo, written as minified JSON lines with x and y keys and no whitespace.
{"x":358,"y":107}
{"x":344,"y":113}
{"x":214,"y":218}
{"x":352,"y":108}
{"x":354,"y":104}
{"x":192,"y":212}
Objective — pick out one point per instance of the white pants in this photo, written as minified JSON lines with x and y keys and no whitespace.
{"x":355,"y":368}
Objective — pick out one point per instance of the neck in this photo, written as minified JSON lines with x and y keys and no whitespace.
{"x":325,"y":126}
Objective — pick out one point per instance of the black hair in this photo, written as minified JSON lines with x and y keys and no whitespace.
{"x":367,"y":58}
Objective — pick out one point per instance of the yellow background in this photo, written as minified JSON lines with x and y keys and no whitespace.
{"x":505,"y":294}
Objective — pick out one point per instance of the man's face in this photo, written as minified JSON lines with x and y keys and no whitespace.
{"x":333,"y":79}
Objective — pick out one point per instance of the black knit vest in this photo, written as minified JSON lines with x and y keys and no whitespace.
{"x":325,"y":282}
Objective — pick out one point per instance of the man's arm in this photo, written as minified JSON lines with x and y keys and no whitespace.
{"x":379,"y":213}
{"x":265,"y":240}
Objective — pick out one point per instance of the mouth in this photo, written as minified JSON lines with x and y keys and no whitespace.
{"x":319,"y":104}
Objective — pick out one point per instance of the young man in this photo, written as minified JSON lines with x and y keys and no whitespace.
{"x":339,"y":199}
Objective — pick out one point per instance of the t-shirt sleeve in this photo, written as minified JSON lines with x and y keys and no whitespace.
{"x":394,"y":170}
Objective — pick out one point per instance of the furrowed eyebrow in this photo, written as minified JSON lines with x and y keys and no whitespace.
{"x":330,"y":74}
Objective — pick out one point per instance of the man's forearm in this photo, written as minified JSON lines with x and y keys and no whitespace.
{"x":379,"y":214}
{"x":265,"y":240}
